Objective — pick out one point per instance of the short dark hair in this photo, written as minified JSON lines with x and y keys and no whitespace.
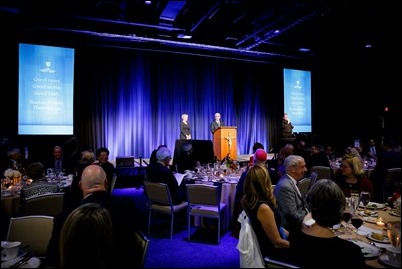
{"x":35,"y":170}
{"x":257,"y":145}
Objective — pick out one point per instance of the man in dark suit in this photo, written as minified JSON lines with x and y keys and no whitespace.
{"x":160,"y":172}
{"x":122,"y":211}
{"x":58,"y":162}
{"x":290,"y":202}
{"x":216,"y":123}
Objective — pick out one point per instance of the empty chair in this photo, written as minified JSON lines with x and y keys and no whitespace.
{"x":142,"y":243}
{"x":322,"y":172}
{"x":49,"y":204}
{"x":393,"y":177}
{"x":204,"y":201}
{"x":304,"y":185}
{"x":34,"y":231}
{"x":160,"y":201}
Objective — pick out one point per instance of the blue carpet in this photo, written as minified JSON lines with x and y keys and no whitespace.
{"x":201,"y":252}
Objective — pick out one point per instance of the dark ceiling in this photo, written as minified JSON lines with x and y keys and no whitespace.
{"x":277,"y":28}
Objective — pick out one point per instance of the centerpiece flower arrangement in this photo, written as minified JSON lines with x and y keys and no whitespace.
{"x":10,"y":173}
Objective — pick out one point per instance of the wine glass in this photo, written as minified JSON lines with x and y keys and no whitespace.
{"x":365,"y":198}
{"x":356,"y":222}
{"x":394,"y":235}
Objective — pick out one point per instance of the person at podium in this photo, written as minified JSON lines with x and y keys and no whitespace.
{"x":216,"y":123}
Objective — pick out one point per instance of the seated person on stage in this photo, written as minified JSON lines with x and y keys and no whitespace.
{"x":160,"y":172}
{"x":317,"y":245}
{"x":39,"y":184}
{"x":186,"y":159}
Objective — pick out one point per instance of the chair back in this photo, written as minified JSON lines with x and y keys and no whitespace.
{"x":34,"y":231}
{"x":272,"y":263}
{"x":158,"y":193}
{"x":160,"y":200}
{"x":393,"y":177}
{"x":322,"y":172}
{"x":49,"y":204}
{"x":204,"y":201}
{"x":142,"y":243}
{"x":304,"y":185}
{"x":202,"y":194}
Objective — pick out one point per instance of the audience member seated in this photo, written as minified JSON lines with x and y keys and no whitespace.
{"x":86,"y":239}
{"x":317,"y":157}
{"x":259,"y":158}
{"x":160,"y":172}
{"x":121,"y":209}
{"x":260,"y":205}
{"x":351,"y":177}
{"x":284,"y":152}
{"x":389,"y":157}
{"x":153,"y":158}
{"x":58,"y":162}
{"x":187,"y":159}
{"x":311,"y":247}
{"x":39,"y":184}
{"x":15,"y":160}
{"x":257,"y":145}
{"x":102,"y":156}
{"x":291,"y":205}
{"x":73,"y":195}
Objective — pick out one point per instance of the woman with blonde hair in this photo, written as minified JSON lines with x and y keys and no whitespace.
{"x":351,"y":177}
{"x":260,"y":205}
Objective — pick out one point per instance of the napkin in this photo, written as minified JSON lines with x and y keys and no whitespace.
{"x":364,"y":230}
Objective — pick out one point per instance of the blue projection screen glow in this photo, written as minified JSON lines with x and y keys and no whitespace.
{"x":297,"y":98}
{"x":45,"y":90}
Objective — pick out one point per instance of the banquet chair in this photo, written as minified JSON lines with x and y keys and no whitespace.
{"x":272,"y":263}
{"x":322,"y":172}
{"x":160,"y":201}
{"x":142,"y":243}
{"x":392,"y":178}
{"x":304,"y":185}
{"x":49,"y":204}
{"x":33,"y":231}
{"x":204,"y":201}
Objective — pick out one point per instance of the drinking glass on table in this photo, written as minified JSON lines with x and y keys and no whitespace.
{"x":365,"y":198}
{"x":354,"y":201}
{"x":394,"y":235}
{"x":357,"y":221}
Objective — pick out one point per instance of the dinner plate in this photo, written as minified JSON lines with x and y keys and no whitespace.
{"x":373,"y":205}
{"x":390,"y":261}
{"x":4,"y":257}
{"x":384,"y":241}
{"x":393,"y":213}
{"x":31,"y":263}
{"x":370,"y":219}
{"x":368,"y":250}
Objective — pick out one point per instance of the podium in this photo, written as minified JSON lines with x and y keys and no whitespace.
{"x":225,"y":141}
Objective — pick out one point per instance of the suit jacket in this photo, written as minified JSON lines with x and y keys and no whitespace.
{"x":290,"y":204}
{"x":156,"y":172}
{"x":214,"y":125}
